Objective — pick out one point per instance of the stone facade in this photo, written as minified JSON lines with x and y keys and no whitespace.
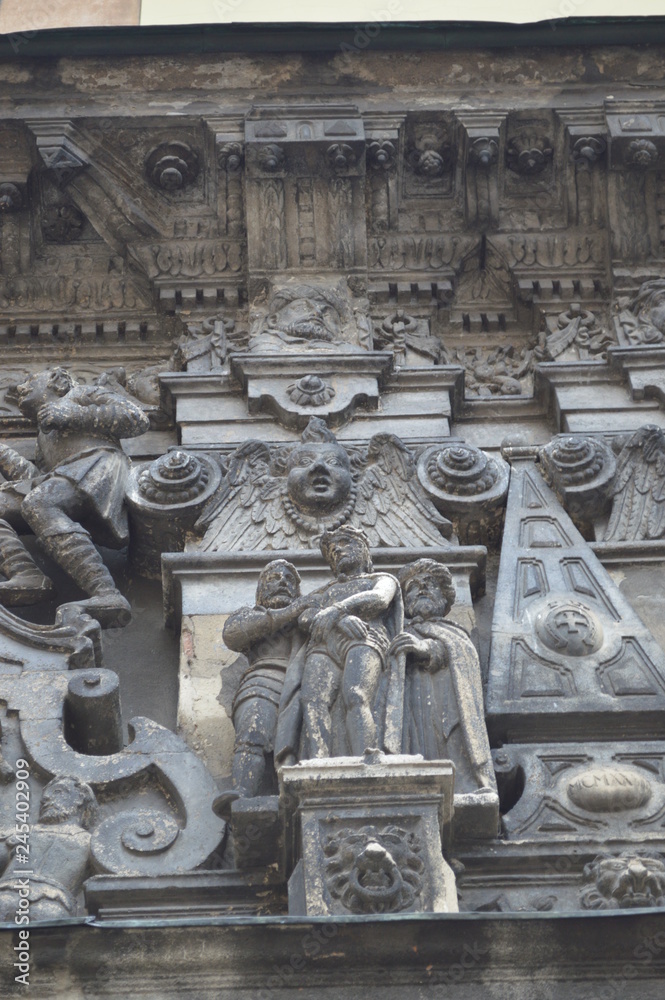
{"x":333,"y":523}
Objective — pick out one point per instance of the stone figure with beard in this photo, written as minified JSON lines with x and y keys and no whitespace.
{"x":310,"y":318}
{"x":59,"y":845}
{"x":286,"y":497}
{"x":444,"y":714}
{"x":269,"y":636}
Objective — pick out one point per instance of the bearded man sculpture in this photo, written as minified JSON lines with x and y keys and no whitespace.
{"x":310,"y":318}
{"x":269,"y":636}
{"x":443,"y":707}
{"x":73,"y":492}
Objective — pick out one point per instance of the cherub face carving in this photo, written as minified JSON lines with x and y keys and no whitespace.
{"x":319,"y":477}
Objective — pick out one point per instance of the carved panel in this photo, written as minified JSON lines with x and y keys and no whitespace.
{"x":564,"y":635}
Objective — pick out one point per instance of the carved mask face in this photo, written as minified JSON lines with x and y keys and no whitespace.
{"x":306,"y":318}
{"x":423,"y":598}
{"x":278,"y":587}
{"x":319,"y":477}
{"x":61,"y":801}
{"x":629,"y":881}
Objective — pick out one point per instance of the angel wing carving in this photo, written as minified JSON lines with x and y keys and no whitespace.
{"x":284,"y":498}
{"x":638,"y":491}
{"x":391,"y":508}
{"x":247,"y":512}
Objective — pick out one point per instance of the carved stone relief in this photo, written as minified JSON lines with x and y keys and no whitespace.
{"x":273,"y":310}
{"x":78,"y":479}
{"x":285,"y":497}
{"x":633,"y":879}
{"x":563,"y":632}
{"x":594,"y":791}
{"x":142,"y":809}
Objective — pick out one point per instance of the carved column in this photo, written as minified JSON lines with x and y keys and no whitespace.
{"x":383,"y":156}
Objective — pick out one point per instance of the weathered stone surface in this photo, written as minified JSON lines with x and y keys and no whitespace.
{"x":358,"y":840}
{"x":212,"y":244}
{"x":563,"y":635}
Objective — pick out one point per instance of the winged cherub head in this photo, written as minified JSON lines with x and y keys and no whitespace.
{"x":319,"y":476}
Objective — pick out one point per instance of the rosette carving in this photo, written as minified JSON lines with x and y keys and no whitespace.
{"x":172,"y":166}
{"x":310,"y":390}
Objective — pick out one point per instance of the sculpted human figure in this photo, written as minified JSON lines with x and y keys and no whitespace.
{"x":444,"y":713}
{"x":269,"y":637}
{"x":72,"y":493}
{"x":59,"y":852}
{"x":361,"y":612}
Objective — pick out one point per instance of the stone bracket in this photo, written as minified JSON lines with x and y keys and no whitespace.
{"x":364,"y":835}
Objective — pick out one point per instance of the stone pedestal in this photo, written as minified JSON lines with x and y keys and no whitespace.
{"x":364,"y":835}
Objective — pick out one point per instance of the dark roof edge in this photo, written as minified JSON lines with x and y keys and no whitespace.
{"x":294,"y":37}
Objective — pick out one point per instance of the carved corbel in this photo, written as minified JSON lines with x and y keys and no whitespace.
{"x":586,"y":138}
{"x":382,"y":172}
{"x":306,"y":164}
{"x":637,"y":152}
{"x":482,"y":141}
{"x":429,"y":158}
{"x":97,"y":186}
